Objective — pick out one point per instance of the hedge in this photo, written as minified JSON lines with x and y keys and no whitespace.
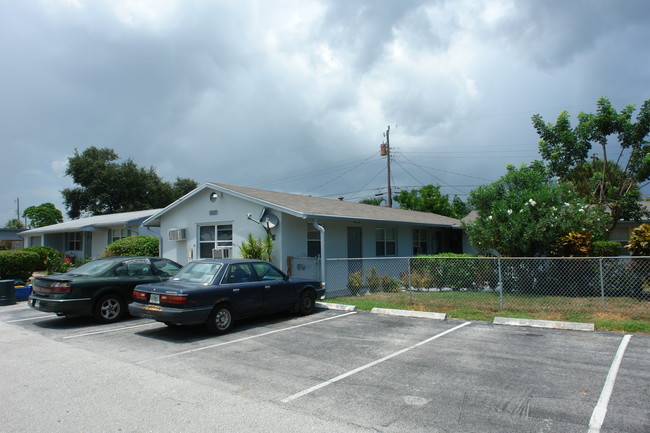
{"x":18,"y":264}
{"x":146,"y":246}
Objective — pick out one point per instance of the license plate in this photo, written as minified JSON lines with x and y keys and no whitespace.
{"x":154,"y":298}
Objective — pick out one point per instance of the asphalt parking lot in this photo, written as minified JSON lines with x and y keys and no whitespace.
{"x":331,"y":371}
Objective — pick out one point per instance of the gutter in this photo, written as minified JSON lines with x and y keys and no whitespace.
{"x":321,"y":229}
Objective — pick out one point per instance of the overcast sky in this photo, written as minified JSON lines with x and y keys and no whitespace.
{"x":296,"y":96}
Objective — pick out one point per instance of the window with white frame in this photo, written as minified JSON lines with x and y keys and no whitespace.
{"x":117,"y":234}
{"x":386,"y":241}
{"x":213,"y":236}
{"x":313,"y":241}
{"x":420,"y":241}
{"x":75,"y":241}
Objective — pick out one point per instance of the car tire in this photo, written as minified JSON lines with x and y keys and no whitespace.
{"x":109,"y":308}
{"x":220,"y":320}
{"x":307,"y":303}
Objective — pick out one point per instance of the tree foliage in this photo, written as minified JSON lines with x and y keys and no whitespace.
{"x":14,"y":223}
{"x":527,"y":211}
{"x":105,"y":185}
{"x":430,"y":199}
{"x":43,"y":215}
{"x":602,"y":180}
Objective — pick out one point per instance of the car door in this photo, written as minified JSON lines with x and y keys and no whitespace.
{"x":279,"y":294}
{"x":246,"y":292}
{"x":132,"y":272}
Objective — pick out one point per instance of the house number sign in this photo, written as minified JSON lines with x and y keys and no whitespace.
{"x":214,"y":212}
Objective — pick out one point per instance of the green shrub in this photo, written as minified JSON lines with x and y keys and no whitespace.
{"x":18,"y":264}
{"x":43,"y":254}
{"x":373,"y":281}
{"x":605,"y":249}
{"x":145,"y":246}
{"x":639,"y":244}
{"x":260,"y":249}
{"x":388,"y":284}
{"x":573,"y":244}
{"x":55,"y":262}
{"x":355,"y":283}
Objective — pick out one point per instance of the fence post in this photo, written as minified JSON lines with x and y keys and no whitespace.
{"x":602,"y":283}
{"x":410,"y":283}
{"x":500,"y":284}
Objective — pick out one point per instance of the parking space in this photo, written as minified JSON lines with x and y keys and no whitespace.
{"x":389,"y":374}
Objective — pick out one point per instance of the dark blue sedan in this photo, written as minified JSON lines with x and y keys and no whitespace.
{"x":218,"y":291}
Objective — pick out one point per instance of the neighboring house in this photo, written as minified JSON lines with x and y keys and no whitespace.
{"x":214,"y":220}
{"x":88,"y":237}
{"x":623,"y":229}
{"x":11,"y":238}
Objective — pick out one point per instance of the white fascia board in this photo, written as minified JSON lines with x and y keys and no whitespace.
{"x":154,"y":220}
{"x":374,"y":220}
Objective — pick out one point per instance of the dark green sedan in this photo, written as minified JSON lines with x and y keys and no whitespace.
{"x":101,"y":288}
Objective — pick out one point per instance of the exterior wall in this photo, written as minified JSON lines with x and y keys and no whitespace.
{"x":200,"y":210}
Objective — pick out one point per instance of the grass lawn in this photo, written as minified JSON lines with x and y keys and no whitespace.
{"x":620,"y":314}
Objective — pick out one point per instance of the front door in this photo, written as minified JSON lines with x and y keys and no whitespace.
{"x":354,"y":249}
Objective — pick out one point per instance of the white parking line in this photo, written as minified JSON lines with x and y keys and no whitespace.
{"x":598,"y":416}
{"x":104,"y":331}
{"x":52,"y":316}
{"x":370,"y":364}
{"x":198,"y":349}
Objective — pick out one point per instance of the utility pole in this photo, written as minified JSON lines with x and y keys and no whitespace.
{"x":385,"y":151}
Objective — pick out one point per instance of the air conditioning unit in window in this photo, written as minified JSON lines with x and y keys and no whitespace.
{"x":176,"y":234}
{"x":222,"y":253}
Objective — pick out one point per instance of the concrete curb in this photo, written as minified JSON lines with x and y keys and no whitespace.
{"x":341,"y":307}
{"x":573,"y":326}
{"x":410,"y":313}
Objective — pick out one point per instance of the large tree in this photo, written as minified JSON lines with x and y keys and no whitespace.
{"x":612,"y":182}
{"x":527,"y":211}
{"x":43,"y":215}
{"x":429,"y":199}
{"x":105,"y":185}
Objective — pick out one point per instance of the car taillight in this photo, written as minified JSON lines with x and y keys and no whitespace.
{"x":173,"y":299}
{"x":139,"y":296}
{"x":61,"y":288}
{"x":55,"y":288}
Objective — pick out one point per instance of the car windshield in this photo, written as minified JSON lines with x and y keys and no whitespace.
{"x":93,"y":268}
{"x":202,"y":273}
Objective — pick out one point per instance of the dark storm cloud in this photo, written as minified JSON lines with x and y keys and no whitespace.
{"x":292,"y":94}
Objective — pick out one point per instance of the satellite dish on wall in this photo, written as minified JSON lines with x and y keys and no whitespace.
{"x":269,"y":221}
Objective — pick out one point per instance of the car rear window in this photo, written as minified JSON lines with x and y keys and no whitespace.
{"x":203,"y":273}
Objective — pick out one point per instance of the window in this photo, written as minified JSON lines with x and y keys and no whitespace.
{"x":386,"y":242}
{"x":117,"y":234}
{"x":313,"y":241}
{"x":240,"y":273}
{"x":211,"y":237}
{"x":420,"y":242}
{"x":74,"y":241}
{"x":267,"y":272}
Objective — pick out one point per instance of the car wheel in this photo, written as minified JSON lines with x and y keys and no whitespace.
{"x":220,"y":320}
{"x":109,"y":309}
{"x":307,"y":303}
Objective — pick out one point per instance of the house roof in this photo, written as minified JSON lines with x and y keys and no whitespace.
{"x":94,"y":222}
{"x":308,"y":207}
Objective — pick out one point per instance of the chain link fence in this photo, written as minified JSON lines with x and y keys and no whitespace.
{"x":493,"y":284}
